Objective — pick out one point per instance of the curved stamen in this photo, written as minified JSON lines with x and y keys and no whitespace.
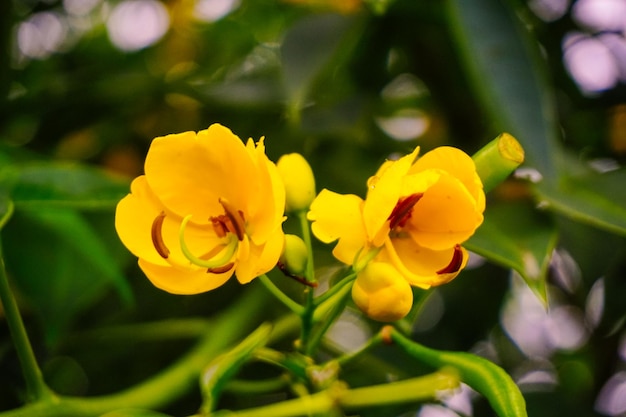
{"x":402,"y":211}
{"x":219,"y":261}
{"x":157,"y":236}
{"x":455,"y":263}
{"x":221,"y":269}
{"x":236,"y":218}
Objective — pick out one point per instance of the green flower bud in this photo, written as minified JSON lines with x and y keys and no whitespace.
{"x":299,"y":181}
{"x":295,"y":255}
{"x":382,"y":293}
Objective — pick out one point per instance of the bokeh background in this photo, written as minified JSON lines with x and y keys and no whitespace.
{"x":85,"y":85}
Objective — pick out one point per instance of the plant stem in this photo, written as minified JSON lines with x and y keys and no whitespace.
{"x":338,"y":397}
{"x":35,"y":384}
{"x":281,"y":296}
{"x":306,"y":237}
{"x":173,"y":382}
{"x":309,"y":306}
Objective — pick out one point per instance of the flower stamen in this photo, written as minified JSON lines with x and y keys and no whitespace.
{"x":219,"y":261}
{"x":221,"y":269}
{"x":402,"y":211}
{"x":237,"y":223}
{"x":455,"y":264}
{"x":157,"y":236}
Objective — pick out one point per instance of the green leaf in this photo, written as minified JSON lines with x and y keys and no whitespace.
{"x":518,"y":236}
{"x":596,"y":199}
{"x":6,"y":208}
{"x":42,"y":184}
{"x":509,"y":76}
{"x":223,"y":368}
{"x":307,"y":48}
{"x":59,"y":264}
{"x":482,"y":375}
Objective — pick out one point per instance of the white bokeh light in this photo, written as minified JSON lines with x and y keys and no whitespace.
{"x":549,"y":10}
{"x":41,"y":35}
{"x":600,"y":15}
{"x":590,"y":63}
{"x":136,"y":24}
{"x":213,"y":10}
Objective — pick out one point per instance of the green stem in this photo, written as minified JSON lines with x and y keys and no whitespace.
{"x":35,"y":385}
{"x":281,"y":296}
{"x":335,"y":289}
{"x":309,"y":306}
{"x":306,"y":237}
{"x":339,"y":398}
{"x":325,"y":315}
{"x":349,"y":357}
{"x":173,"y":382}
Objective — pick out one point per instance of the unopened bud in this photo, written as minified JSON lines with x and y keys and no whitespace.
{"x":382,"y":293}
{"x":299,"y":181}
{"x":295,"y":255}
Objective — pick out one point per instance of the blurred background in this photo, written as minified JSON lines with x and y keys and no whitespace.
{"x":85,"y":85}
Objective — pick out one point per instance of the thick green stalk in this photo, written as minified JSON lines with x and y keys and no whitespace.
{"x":35,"y":384}
{"x":340,"y":398}
{"x":171,"y":383}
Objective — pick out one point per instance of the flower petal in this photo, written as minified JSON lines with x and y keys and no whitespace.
{"x":338,"y":216}
{"x":266,"y":208}
{"x":421,"y":264}
{"x":261,"y":258}
{"x":459,"y":165}
{"x":176,"y":280}
{"x":445,"y":215}
{"x":134,"y":215}
{"x":190,"y":172}
{"x":384,"y":191}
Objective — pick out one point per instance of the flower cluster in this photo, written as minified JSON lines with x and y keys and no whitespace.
{"x":415,"y":216}
{"x":209,"y":207}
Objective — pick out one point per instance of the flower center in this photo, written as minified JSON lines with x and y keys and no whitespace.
{"x":230,"y":226}
{"x":403,"y":210}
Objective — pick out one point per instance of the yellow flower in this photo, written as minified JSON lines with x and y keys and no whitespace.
{"x":382,"y":293}
{"x":416,"y":214}
{"x":208,"y":206}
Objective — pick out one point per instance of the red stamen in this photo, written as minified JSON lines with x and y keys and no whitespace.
{"x":221,"y":269}
{"x":157,"y":236}
{"x":236,"y":224}
{"x":455,"y":263}
{"x":402,"y":211}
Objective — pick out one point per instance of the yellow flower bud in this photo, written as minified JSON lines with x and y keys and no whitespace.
{"x":382,"y":293}
{"x":299,"y":181}
{"x":295,"y":255}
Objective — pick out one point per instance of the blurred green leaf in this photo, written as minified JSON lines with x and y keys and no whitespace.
{"x":509,"y":77}
{"x":134,"y":412}
{"x":6,"y":208}
{"x":595,"y":199}
{"x":59,"y":264}
{"x":307,"y":48}
{"x":484,"y":376}
{"x":53,"y":184}
{"x":221,"y":369}
{"x":518,"y":236}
